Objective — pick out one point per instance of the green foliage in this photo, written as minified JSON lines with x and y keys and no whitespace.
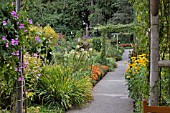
{"x":124,"y":13}
{"x":60,"y":14}
{"x":116,"y":28}
{"x":165,"y":87}
{"x":103,"y":52}
{"x":32,"y":73}
{"x":111,"y":63}
{"x":111,"y":11}
{"x":62,"y":87}
{"x":137,"y":80}
{"x":97,"y":44}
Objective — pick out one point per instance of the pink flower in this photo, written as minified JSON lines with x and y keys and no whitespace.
{"x":20,"y":78}
{"x":30,"y":21}
{"x":25,"y":30}
{"x":4,"y":23}
{"x":21,"y":26}
{"x":23,"y":65}
{"x":14,"y":41}
{"x":7,"y":45}
{"x":35,"y":55}
{"x":13,"y":53}
{"x":3,"y":38}
{"x":38,"y":75}
{"x":26,"y":62}
{"x":12,"y":3}
{"x":14,"y":14}
{"x":37,"y":39}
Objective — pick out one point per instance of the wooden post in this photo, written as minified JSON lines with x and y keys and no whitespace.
{"x":19,"y":108}
{"x":144,"y":106}
{"x":154,"y":58}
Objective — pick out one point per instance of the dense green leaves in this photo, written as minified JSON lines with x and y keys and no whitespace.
{"x":71,"y":15}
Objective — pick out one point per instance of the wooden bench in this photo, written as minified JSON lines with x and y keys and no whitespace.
{"x":154,"y":109}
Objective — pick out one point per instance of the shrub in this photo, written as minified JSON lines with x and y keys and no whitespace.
{"x":111,"y":63}
{"x":97,"y":44}
{"x":32,"y":73}
{"x":137,"y":80}
{"x":63,"y":88}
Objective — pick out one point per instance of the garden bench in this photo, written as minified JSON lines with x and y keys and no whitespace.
{"x":154,"y":109}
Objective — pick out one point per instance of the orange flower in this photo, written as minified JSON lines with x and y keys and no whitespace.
{"x":97,"y":71}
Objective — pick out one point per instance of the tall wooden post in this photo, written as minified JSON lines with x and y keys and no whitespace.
{"x":154,"y":55}
{"x":19,"y":108}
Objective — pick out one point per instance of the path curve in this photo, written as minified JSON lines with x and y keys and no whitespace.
{"x":110,"y":94}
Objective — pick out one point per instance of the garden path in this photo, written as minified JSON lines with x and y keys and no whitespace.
{"x":110,"y":94}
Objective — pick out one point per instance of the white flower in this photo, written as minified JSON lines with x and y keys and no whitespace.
{"x":85,"y":52}
{"x":78,"y":40}
{"x":90,"y":49}
{"x":77,"y":46}
{"x":82,"y":49}
{"x":78,"y":56}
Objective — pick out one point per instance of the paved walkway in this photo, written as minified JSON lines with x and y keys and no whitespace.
{"x":110,"y":94}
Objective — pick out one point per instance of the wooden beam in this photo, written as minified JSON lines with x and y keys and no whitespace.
{"x":154,"y":109}
{"x":158,"y":109}
{"x":164,"y":63}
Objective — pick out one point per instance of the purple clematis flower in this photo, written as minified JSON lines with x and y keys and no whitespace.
{"x":3,"y":38}
{"x":21,"y":26}
{"x":4,"y":23}
{"x":14,"y":14}
{"x":14,"y":41}
{"x":30,"y":21}
{"x":13,"y":53}
{"x":20,"y":78}
{"x":37,"y":39}
{"x":7,"y":45}
{"x":17,"y":53}
{"x":23,"y":65}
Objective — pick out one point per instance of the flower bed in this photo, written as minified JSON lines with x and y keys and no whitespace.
{"x":98,"y":73}
{"x":137,"y":80}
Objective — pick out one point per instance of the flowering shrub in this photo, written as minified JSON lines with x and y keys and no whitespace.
{"x":137,"y":80}
{"x":98,"y":72}
{"x":32,"y":73}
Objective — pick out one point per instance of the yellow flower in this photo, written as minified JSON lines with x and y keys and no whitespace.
{"x":125,"y":62}
{"x":127,"y":76}
{"x":143,"y":55}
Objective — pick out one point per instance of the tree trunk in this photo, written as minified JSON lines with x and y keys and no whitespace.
{"x":154,"y":58}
